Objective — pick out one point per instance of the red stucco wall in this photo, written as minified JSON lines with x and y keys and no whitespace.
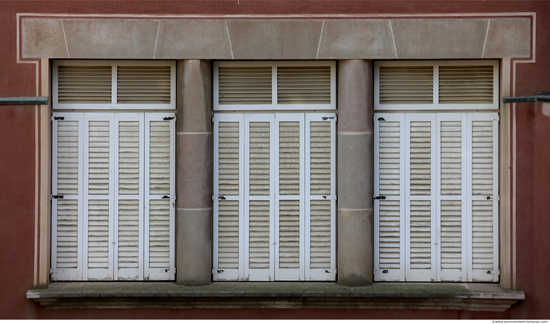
{"x":17,"y":156}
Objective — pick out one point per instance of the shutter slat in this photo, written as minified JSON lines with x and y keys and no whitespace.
{"x":67,"y":157}
{"x":228,"y":158}
{"x":389,"y":232}
{"x":98,"y":234}
{"x":406,"y":85}
{"x":159,"y":233}
{"x":451,"y":157}
{"x":320,"y":235}
{"x":451,"y":234}
{"x":259,"y":237}
{"x":84,"y":84}
{"x":420,"y":158}
{"x":245,"y":85}
{"x":159,"y":158}
{"x":320,"y":158}
{"x":98,"y":158}
{"x":420,"y":233}
{"x":143,"y":84}
{"x":466,"y":84}
{"x":128,"y":159}
{"x":128,"y":233}
{"x":67,"y":234}
{"x":311,"y":85}
{"x":482,"y":158}
{"x":389,"y":158}
{"x":482,"y":236}
{"x":289,"y":234}
{"x":259,"y":159}
{"x":228,"y":234}
{"x":289,"y":158}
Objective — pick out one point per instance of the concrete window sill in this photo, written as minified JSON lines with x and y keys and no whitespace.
{"x":469,"y":296}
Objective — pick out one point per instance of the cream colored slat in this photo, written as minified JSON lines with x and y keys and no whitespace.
{"x":390,"y":237}
{"x":320,"y":253}
{"x":406,"y":85}
{"x":98,"y":157}
{"x":420,"y":158}
{"x":466,"y":84}
{"x":143,"y":84}
{"x":451,"y":157}
{"x":228,"y":234}
{"x":84,"y":84}
{"x":259,"y":238}
{"x":128,"y":234}
{"x":159,"y":233}
{"x":420,"y":234}
{"x":389,"y":158}
{"x":228,"y":158}
{"x":289,"y":234}
{"x":309,"y":85}
{"x":128,"y":158}
{"x":482,"y":235}
{"x":451,"y":234}
{"x":67,"y":234}
{"x":98,"y":234}
{"x":159,"y":158}
{"x":245,"y":85}
{"x":482,"y":158}
{"x":67,"y":158}
{"x":320,"y":162}
{"x":259,"y":159}
{"x":289,"y":158}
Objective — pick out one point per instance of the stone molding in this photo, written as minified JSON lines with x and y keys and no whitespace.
{"x":143,"y":37}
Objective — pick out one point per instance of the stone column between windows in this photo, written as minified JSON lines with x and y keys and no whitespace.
{"x":355,"y":172}
{"x":194,"y":173}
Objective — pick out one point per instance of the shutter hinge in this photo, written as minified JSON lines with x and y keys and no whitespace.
{"x":217,"y":271}
{"x":168,"y":118}
{"x":218,"y":198}
{"x":57,"y":118}
{"x":378,"y":197}
{"x":56,"y":197}
{"x":381,"y":119}
{"x":325,"y":118}
{"x":173,"y":270}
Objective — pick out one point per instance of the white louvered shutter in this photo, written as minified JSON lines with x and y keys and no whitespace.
{"x":67,"y":180}
{"x":84,"y":84}
{"x":160,"y":199}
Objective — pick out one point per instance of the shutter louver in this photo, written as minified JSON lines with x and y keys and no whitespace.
{"x":159,"y":233}
{"x":320,"y":158}
{"x":482,"y":236}
{"x":67,"y":234}
{"x":390,"y":235}
{"x":98,"y":234}
{"x":320,"y":236}
{"x":451,"y":234}
{"x":420,"y":158}
{"x":259,"y":235}
{"x":228,"y":234}
{"x":420,"y":231}
{"x":128,"y":159}
{"x":389,"y":158}
{"x":259,"y":159}
{"x":159,"y":158}
{"x":245,"y":85}
{"x":466,"y":84}
{"x":451,"y":157}
{"x":98,"y":158}
{"x":67,"y":157}
{"x":229,"y":158}
{"x":289,"y":158}
{"x":84,"y":84}
{"x":406,"y":85}
{"x":289,"y":234}
{"x":143,"y":84}
{"x":128,"y":233}
{"x":303,"y":85}
{"x":482,"y":158}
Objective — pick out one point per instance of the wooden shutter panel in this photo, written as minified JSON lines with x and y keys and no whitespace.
{"x":245,"y":85}
{"x":259,"y":235}
{"x":143,"y":84}
{"x":406,"y":85}
{"x":84,"y":84}
{"x":466,"y":84}
{"x":303,"y":84}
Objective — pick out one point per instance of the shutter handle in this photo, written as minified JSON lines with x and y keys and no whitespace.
{"x":165,"y":197}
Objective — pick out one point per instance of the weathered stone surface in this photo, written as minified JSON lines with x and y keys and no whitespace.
{"x":508,"y":37}
{"x":195,"y":95}
{"x":357,"y":39}
{"x":194,"y":242}
{"x":355,"y":248}
{"x":274,"y":39}
{"x":355,"y":91}
{"x":193,"y":39}
{"x":194,"y":170}
{"x":111,"y":38}
{"x":42,"y":38}
{"x":439,"y":38}
{"x":355,"y":181}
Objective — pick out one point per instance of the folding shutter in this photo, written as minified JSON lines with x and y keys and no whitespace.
{"x":67,"y":179}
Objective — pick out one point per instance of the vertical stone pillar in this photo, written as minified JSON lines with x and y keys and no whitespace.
{"x":355,"y":172}
{"x":194,"y":173}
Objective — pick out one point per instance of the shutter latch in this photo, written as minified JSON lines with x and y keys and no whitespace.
{"x":58,"y":118}
{"x":325,"y":118}
{"x":57,"y":196}
{"x":221,"y":197}
{"x":168,"y":118}
{"x":378,"y":197}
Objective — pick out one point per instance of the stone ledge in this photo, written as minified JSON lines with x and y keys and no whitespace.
{"x":468,"y":296}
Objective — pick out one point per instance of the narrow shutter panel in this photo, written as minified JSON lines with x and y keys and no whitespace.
{"x":84,"y":84}
{"x":484,"y":205}
{"x":128,"y":238}
{"x":289,"y":158}
{"x":228,"y":234}
{"x":160,"y":197}
{"x":320,"y":235}
{"x":406,"y":85}
{"x":303,"y":84}
{"x":228,"y":159}
{"x":320,"y":162}
{"x":389,"y":185}
{"x":466,"y":84}
{"x":451,"y":240}
{"x":66,"y":182}
{"x":143,"y":84}
{"x":289,"y":234}
{"x":245,"y":85}
{"x":259,"y":235}
{"x":259,"y":162}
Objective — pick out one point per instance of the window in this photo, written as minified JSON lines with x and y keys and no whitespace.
{"x":436,"y":172}
{"x":274,"y":173}
{"x":113,"y":184}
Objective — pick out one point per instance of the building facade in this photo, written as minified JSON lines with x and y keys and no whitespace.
{"x":245,"y":159}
